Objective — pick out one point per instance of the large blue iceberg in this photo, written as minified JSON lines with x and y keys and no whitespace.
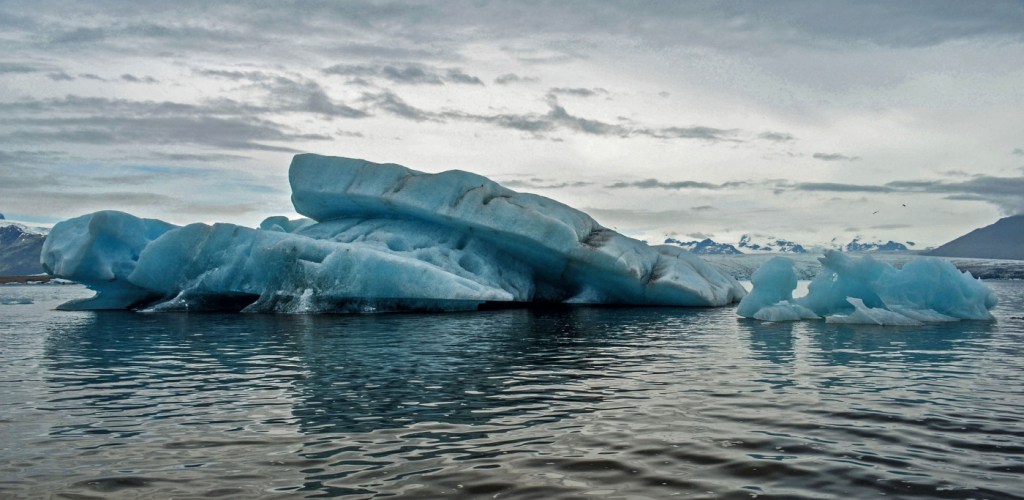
{"x":380,"y":237}
{"x":865,"y":291}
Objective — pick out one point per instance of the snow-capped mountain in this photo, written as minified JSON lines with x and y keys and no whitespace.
{"x":19,"y":251}
{"x":25,"y":228}
{"x":751,"y":243}
{"x":875,"y":246}
{"x":767,"y":245}
{"x":706,"y":246}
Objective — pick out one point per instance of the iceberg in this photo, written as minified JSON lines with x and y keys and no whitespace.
{"x":865,"y":291}
{"x":378,"y":237}
{"x":772,"y":296}
{"x":101,"y":250}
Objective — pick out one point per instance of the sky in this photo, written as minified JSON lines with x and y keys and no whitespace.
{"x":809,"y":121}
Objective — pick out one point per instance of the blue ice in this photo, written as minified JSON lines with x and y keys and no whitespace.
{"x":378,"y":237}
{"x":865,"y":291}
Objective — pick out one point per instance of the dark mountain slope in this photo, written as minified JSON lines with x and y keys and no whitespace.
{"x":19,"y":252}
{"x":1002,"y":240}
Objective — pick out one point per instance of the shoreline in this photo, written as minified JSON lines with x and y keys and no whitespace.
{"x":39,"y":278}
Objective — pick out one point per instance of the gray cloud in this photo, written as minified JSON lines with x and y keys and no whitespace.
{"x":841,"y":188}
{"x":68,"y":203}
{"x":705,"y":133}
{"x":60,"y":76}
{"x":307,"y":96}
{"x":8,"y":67}
{"x":556,"y":118}
{"x":78,"y":36}
{"x":221,"y":209}
{"x":535,"y":183}
{"x":393,"y":104}
{"x":456,"y":75}
{"x":209,"y":157}
{"x":1005,"y":192}
{"x":703,"y":208}
{"x":23,"y":157}
{"x":371,"y":51}
{"x":956,"y":173}
{"x":1018,"y":152}
{"x":254,"y":76}
{"x":655,"y":183}
{"x":227,"y":133}
{"x":659,"y":24}
{"x":613,"y":217}
{"x":128,"y":34}
{"x":409,"y":74}
{"x":776,"y":137}
{"x":835,"y":157}
{"x":509,"y":78}
{"x":134,"y":79}
{"x":221,"y":123}
{"x":579,"y":92}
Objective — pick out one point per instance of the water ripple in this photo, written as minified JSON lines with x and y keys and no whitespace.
{"x":618,"y":403}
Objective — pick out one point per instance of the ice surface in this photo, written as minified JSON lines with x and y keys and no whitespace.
{"x":380,"y":237}
{"x":784,"y":311}
{"x":863,"y":315}
{"x":101,"y":250}
{"x":772,"y":296}
{"x":925,"y":290}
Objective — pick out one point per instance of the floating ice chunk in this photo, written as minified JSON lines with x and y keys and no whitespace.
{"x":772,"y":296}
{"x":15,"y":301}
{"x":100,"y":250}
{"x":774,"y":282}
{"x":381,"y":237}
{"x":926,"y":290}
{"x":863,"y":315}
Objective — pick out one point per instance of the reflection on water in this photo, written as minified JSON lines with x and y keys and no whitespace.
{"x":626,"y":402}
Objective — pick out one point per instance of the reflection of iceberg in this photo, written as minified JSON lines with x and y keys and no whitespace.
{"x":925,"y":290}
{"x":382,"y":237}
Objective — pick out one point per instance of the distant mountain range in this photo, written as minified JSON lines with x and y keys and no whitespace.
{"x":757,"y":244}
{"x":890,"y":246}
{"x":1002,"y":240}
{"x":706,"y":246}
{"x":19,"y":250}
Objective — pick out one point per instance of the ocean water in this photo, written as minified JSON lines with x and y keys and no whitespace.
{"x":527,"y":403}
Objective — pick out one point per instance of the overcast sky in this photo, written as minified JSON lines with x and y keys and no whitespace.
{"x":794,"y":119}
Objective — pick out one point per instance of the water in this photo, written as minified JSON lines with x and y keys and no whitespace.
{"x":574,"y":403}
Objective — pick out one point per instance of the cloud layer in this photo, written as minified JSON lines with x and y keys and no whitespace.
{"x":815,"y":110}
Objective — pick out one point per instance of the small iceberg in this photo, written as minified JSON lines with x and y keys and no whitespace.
{"x":865,"y":291}
{"x":15,"y":301}
{"x":378,"y":237}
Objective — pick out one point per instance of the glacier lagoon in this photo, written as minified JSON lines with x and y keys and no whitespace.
{"x":523,"y":403}
{"x":560,"y":400}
